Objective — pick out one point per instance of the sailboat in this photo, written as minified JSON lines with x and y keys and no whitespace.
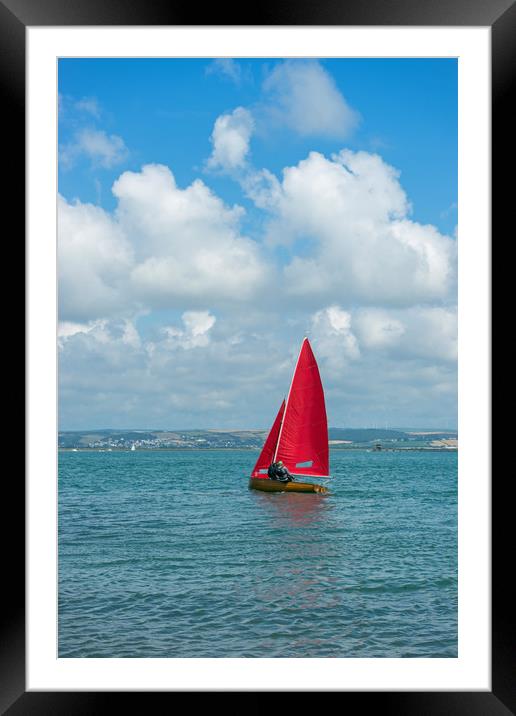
{"x":299,"y":434}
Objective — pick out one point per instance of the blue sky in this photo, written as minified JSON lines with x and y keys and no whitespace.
{"x":212,"y":212}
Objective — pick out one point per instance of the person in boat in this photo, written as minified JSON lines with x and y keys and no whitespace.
{"x":278,"y":471}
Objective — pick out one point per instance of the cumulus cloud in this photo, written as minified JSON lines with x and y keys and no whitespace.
{"x":230,"y":139}
{"x":332,"y":335}
{"x":94,"y":259}
{"x":430,"y":333}
{"x":162,"y":247}
{"x":169,"y":247}
{"x":336,"y":254}
{"x":418,"y":332}
{"x":194,"y":334}
{"x":103,"y":331}
{"x":353,"y":213}
{"x":395,"y":366}
{"x":163,"y":380}
{"x":187,"y":241}
{"x":101,"y":149}
{"x":65,"y":329}
{"x":377,"y":328}
{"x":302,"y":96}
{"x":263,"y":188}
{"x":190,"y":373}
{"x":340,"y":256}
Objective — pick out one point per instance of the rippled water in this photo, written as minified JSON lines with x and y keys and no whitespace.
{"x":169,"y":554}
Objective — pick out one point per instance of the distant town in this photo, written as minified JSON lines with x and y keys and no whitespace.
{"x":339,"y":439}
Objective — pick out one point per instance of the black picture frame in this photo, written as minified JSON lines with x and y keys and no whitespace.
{"x":15,"y":17}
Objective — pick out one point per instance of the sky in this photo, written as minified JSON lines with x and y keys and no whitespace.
{"x":212,"y":213}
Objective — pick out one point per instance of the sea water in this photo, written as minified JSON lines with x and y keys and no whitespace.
{"x":169,"y":554}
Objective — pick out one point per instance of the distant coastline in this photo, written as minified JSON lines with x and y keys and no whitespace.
{"x":339,"y":439}
{"x":202,"y":440}
{"x":231,"y":449}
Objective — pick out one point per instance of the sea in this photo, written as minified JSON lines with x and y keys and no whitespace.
{"x":169,"y":554}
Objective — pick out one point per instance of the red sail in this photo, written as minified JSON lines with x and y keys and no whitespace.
{"x":267,"y":453}
{"x":303,"y":435}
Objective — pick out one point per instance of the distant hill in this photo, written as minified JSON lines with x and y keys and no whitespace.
{"x":365,"y":435}
{"x":156,"y":439}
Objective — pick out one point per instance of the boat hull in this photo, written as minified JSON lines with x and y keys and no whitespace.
{"x":267,"y":485}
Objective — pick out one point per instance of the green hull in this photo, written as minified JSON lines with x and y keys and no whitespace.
{"x":267,"y":485}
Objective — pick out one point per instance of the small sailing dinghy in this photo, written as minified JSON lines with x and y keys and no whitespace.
{"x":299,"y":434}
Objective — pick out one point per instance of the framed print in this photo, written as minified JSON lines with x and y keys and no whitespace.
{"x":199,"y":199}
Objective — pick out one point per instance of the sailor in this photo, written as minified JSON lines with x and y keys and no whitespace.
{"x":278,"y":471}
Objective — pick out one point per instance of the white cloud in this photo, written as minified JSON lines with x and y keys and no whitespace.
{"x":333,"y":338}
{"x":68,"y":329}
{"x":130,"y":335}
{"x":376,"y":328}
{"x":195,"y":371}
{"x":89,"y":105}
{"x":198,"y":323}
{"x":65,"y":329}
{"x":304,"y":97}
{"x":374,"y":288}
{"x":230,"y":138}
{"x":195,"y":334}
{"x":352,"y":213}
{"x":162,"y":247}
{"x":187,"y":241}
{"x":169,"y":247}
{"x":226,"y":67}
{"x":192,"y":374}
{"x":263,"y":188}
{"x":430,"y":333}
{"x":101,"y":149}
{"x":395,"y":366}
{"x":417,"y":332}
{"x":94,"y":258}
{"x":101,"y":330}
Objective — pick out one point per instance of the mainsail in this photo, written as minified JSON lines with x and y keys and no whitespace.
{"x":299,"y":435}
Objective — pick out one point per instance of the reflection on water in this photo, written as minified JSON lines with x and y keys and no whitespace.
{"x":299,"y":575}
{"x":296,"y":509}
